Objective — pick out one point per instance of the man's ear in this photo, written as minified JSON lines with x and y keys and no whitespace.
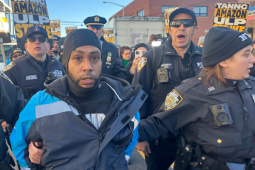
{"x":195,"y":30}
{"x":169,"y":30}
{"x":25,"y":45}
{"x":48,"y":44}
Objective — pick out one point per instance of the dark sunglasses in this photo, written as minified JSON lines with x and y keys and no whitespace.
{"x":40,"y":39}
{"x":186,"y":22}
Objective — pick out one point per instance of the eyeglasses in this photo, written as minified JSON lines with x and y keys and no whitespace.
{"x":40,"y":39}
{"x":186,"y":23}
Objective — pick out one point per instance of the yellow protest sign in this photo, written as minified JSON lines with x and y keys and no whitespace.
{"x":55,"y":27}
{"x":109,"y":35}
{"x":167,"y":14}
{"x":27,"y":14}
{"x":70,"y":29}
{"x":233,"y":15}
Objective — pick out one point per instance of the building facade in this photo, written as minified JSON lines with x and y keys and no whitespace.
{"x":204,"y":10}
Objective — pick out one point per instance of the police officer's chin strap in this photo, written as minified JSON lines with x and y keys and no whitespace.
{"x":79,"y":91}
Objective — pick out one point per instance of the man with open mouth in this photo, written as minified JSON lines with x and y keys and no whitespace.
{"x":160,"y":70}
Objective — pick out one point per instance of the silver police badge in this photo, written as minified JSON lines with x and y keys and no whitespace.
{"x":253,"y":97}
{"x":173,"y":99}
{"x":141,"y":64}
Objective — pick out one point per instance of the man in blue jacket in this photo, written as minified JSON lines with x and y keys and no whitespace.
{"x":83,"y":120}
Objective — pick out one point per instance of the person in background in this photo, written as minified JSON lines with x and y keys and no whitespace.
{"x":111,"y":62}
{"x":125,"y":55}
{"x":16,"y":53}
{"x":159,"y":71}
{"x":201,"y":41}
{"x":31,"y":70}
{"x":133,"y":63}
{"x":61,"y":48}
{"x":54,"y":51}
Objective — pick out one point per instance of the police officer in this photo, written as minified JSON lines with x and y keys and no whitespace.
{"x":30,"y":71}
{"x":213,"y":112}
{"x":12,"y":102}
{"x":98,"y":114}
{"x":61,"y":48}
{"x":164,"y":68}
{"x":111,"y":62}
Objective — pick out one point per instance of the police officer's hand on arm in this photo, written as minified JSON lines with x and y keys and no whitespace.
{"x":144,"y":147}
{"x":35,"y":154}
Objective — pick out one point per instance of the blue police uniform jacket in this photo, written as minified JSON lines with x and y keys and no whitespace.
{"x":26,"y":73}
{"x":111,"y":62}
{"x":72,"y":142}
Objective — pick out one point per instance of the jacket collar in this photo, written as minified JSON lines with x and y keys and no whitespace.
{"x":105,"y":45}
{"x":217,"y":87}
{"x":121,"y":88}
{"x":169,"y":50}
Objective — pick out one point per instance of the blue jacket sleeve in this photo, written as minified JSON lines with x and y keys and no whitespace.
{"x":133,"y":143}
{"x":20,"y":131}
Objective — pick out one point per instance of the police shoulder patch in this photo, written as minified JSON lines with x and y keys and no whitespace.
{"x":141,"y":64}
{"x":173,"y":99}
{"x":9,"y":66}
{"x":4,"y":76}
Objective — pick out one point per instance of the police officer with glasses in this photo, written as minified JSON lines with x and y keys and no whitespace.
{"x":213,"y":113}
{"x":30,"y":71}
{"x":159,"y":71}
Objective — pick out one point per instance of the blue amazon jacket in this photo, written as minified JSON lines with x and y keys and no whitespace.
{"x":70,"y":140}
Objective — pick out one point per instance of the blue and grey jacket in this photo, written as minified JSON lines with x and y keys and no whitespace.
{"x":70,"y":140}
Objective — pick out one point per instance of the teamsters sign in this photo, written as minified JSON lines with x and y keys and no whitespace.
{"x":27,"y":13}
{"x":233,"y":15}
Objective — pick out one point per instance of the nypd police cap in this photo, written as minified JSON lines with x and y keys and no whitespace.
{"x":95,"y":21}
{"x":36,"y":29}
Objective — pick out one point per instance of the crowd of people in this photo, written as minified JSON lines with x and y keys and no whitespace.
{"x":84,"y":103}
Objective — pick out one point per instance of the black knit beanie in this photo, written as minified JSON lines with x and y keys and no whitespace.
{"x":78,"y":38}
{"x":222,"y":43}
{"x":141,"y":45}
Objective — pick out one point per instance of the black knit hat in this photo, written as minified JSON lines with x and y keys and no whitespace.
{"x":78,"y":38}
{"x":222,"y":43}
{"x":141,"y":45}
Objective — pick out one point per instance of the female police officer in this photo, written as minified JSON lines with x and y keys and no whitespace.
{"x":214,"y":112}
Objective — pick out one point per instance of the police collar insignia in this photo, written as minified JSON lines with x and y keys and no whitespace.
{"x":109,"y":58}
{"x":36,"y":28}
{"x":9,"y":66}
{"x":173,"y":99}
{"x":141,"y":64}
{"x":253,"y":97}
{"x":211,"y":88}
{"x":96,"y":19}
{"x":200,"y":65}
{"x":4,"y":76}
